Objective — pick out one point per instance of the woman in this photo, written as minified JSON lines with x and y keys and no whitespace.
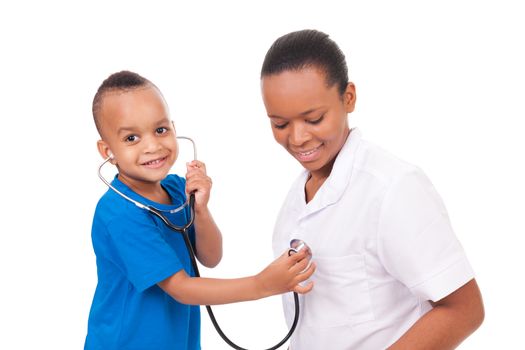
{"x":390,"y":271}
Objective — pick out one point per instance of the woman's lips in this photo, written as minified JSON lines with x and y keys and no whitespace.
{"x":309,"y":155}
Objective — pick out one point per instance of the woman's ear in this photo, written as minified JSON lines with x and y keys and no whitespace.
{"x":105,"y":152}
{"x":349,"y":97}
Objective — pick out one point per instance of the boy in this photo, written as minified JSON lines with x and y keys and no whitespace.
{"x":146,"y":296}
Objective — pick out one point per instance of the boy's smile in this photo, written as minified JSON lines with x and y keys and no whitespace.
{"x":136,"y":128}
{"x":309,"y":118}
{"x":156,"y":163}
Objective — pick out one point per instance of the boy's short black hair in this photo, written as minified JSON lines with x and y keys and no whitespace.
{"x":307,"y":48}
{"x":123,"y":80}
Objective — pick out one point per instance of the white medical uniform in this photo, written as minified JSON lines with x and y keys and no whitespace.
{"x":382,"y":241}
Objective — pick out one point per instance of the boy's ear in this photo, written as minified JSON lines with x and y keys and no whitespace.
{"x":349,"y":97}
{"x":105,"y":152}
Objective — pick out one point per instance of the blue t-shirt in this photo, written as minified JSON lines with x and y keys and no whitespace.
{"x":135,"y":250}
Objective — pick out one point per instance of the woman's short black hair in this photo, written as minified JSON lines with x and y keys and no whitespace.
{"x":123,"y":80}
{"x":307,"y":48}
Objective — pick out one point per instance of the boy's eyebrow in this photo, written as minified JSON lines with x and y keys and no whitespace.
{"x":125,"y":129}
{"x":134,"y":129}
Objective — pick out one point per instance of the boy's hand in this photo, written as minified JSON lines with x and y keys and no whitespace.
{"x":197,"y":181}
{"x":285,"y":273}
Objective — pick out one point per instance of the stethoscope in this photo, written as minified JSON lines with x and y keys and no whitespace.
{"x":295,"y":246}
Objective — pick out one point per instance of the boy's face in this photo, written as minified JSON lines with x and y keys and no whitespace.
{"x":308,"y":118}
{"x":136,"y":129}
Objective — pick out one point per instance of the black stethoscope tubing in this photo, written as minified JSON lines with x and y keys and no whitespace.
{"x":184,"y":231}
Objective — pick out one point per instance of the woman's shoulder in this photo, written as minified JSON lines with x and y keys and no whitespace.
{"x":381,"y":164}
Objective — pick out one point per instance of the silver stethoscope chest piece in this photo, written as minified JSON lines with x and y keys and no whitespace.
{"x":296,"y":245}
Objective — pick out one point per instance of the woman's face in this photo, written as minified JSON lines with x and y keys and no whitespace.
{"x":308,"y":118}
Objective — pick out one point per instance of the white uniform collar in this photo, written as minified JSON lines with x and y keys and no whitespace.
{"x":334,"y":186}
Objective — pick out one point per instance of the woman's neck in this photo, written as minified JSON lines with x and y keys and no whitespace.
{"x":316,"y":179}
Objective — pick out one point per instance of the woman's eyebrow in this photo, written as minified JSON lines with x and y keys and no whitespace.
{"x":309,"y":111}
{"x":302,"y":114}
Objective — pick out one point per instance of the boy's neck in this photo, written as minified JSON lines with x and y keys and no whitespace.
{"x":152,"y":191}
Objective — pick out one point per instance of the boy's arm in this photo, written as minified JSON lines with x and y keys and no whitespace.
{"x":208,"y":238}
{"x":451,"y":320}
{"x":281,"y":276}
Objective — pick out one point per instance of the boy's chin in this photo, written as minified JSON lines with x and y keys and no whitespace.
{"x":154,"y":176}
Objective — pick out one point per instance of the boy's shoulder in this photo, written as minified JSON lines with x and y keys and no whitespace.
{"x":174,"y":180}
{"x":111,"y":205}
{"x":175,"y":185}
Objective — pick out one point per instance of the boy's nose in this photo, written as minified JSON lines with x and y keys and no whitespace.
{"x":152,"y":145}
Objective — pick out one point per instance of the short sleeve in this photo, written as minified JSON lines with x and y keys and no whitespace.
{"x":416,"y":242}
{"x":145,"y":257}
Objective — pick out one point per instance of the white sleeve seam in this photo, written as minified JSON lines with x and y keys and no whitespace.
{"x":433,"y":276}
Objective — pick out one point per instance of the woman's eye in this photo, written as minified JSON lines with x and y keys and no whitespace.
{"x":280,"y":126}
{"x":131,"y":138}
{"x":316,"y":121}
{"x":161,"y":130}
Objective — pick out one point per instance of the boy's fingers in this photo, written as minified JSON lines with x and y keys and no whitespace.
{"x":197,"y":164}
{"x":295,"y":257}
{"x":303,"y":289}
{"x":299,"y":266}
{"x":198,"y":179}
{"x":306,"y":274}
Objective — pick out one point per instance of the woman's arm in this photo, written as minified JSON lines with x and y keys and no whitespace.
{"x":282,"y":275}
{"x":451,"y":320}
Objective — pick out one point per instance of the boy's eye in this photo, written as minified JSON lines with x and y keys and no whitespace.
{"x":131,"y":138}
{"x":161,"y":130}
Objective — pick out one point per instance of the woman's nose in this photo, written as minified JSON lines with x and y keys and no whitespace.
{"x":298,"y":134}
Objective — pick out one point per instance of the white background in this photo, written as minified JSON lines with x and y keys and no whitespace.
{"x":440,"y":84}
